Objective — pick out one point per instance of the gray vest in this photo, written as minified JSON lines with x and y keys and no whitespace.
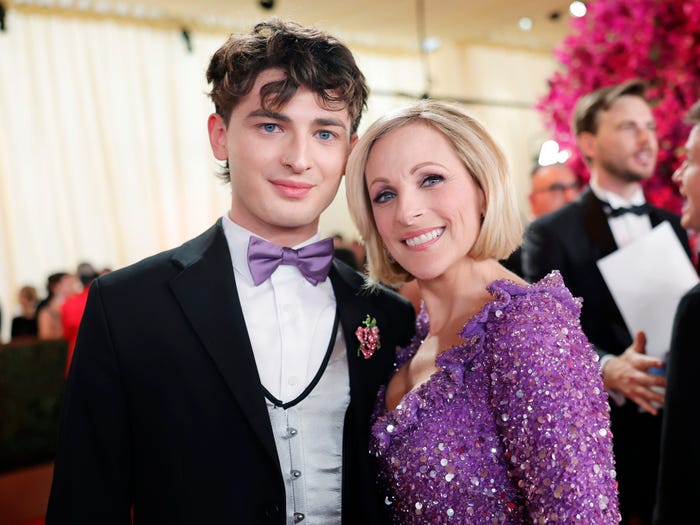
{"x":309,"y":438}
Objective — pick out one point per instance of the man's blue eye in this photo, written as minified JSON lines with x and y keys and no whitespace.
{"x":269,"y":127}
{"x":325,"y":135}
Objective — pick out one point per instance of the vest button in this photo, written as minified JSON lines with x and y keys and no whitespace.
{"x":296,"y":473}
{"x":298,"y":516}
{"x":292,"y":431}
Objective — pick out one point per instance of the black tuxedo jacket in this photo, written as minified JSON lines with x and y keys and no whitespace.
{"x":571,"y":240}
{"x":164,"y":408}
{"x":679,"y":482}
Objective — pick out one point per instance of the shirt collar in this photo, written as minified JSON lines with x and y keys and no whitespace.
{"x":237,"y":238}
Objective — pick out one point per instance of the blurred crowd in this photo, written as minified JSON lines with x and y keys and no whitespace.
{"x":57,"y":314}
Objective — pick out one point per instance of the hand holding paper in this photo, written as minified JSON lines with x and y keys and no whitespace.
{"x":629,"y":375}
{"x":647,"y":278}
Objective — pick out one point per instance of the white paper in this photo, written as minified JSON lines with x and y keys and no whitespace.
{"x":647,"y":279}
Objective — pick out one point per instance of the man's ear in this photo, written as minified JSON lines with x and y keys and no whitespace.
{"x":217,"y":136}
{"x":586,"y":143}
{"x":353,"y":141}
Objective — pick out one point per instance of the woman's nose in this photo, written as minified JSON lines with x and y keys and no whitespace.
{"x":409,"y":209}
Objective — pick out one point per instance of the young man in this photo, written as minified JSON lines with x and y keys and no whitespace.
{"x":219,"y":382}
{"x":616,"y":133}
{"x":678,"y":480}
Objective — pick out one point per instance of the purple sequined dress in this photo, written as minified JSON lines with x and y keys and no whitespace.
{"x":514,"y":426}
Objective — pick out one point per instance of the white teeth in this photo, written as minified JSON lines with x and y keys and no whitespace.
{"x":425,"y":237}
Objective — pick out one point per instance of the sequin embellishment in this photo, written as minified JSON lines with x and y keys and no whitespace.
{"x":512,"y":428}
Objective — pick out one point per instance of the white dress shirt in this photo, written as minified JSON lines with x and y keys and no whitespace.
{"x":289,"y":320}
{"x":627,"y":227}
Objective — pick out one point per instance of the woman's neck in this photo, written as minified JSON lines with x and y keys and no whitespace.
{"x":455,"y":296}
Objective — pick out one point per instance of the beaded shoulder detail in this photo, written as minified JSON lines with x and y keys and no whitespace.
{"x":503,"y":292}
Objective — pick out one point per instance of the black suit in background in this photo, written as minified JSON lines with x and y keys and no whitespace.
{"x":514,"y":262}
{"x":571,"y":240}
{"x":679,"y":482}
{"x":164,"y":406}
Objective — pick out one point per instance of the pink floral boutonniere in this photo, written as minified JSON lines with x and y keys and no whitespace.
{"x":368,"y":336}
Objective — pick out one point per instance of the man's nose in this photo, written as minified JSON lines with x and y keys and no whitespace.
{"x":677,"y":176}
{"x":296,"y":156}
{"x":571,"y":193}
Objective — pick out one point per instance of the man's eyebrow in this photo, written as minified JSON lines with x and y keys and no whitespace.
{"x":322,"y":121}
{"x":327,"y":121}
{"x":260,"y":112}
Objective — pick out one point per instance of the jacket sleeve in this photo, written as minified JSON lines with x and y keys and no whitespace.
{"x":553,"y":415}
{"x":678,"y":482}
{"x":92,"y":469}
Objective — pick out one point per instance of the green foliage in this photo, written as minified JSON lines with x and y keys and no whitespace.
{"x":32,"y":385}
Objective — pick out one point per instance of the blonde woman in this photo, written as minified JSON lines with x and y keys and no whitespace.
{"x":496,"y":412}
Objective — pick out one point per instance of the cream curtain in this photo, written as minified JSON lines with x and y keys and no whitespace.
{"x":104,"y":153}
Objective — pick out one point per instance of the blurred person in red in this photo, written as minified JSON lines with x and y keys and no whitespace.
{"x":73,"y":307}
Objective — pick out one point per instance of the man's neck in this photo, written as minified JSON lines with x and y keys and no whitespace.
{"x":289,"y":237}
{"x":625,"y":189}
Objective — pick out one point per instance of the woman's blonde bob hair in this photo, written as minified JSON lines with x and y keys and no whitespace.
{"x":501,"y":229}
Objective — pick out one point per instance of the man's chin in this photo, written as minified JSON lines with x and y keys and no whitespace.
{"x":636,"y":176}
{"x":689,"y":220}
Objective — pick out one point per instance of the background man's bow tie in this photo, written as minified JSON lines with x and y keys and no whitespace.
{"x":640,"y":209}
{"x":314,"y":260}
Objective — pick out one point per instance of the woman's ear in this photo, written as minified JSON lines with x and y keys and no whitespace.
{"x":482,"y":204}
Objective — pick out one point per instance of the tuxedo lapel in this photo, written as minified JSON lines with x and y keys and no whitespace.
{"x":351,"y":316}
{"x":595,"y":222}
{"x":206,"y":291}
{"x":358,"y":472}
{"x":655,"y":218}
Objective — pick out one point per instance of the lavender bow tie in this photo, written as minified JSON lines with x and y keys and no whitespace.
{"x":314,"y":260}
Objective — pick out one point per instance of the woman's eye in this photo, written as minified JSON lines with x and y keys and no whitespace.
{"x":431,"y":180}
{"x":383,"y":196}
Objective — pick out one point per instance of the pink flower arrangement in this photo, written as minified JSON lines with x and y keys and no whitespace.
{"x":656,"y":40}
{"x":368,"y":336}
